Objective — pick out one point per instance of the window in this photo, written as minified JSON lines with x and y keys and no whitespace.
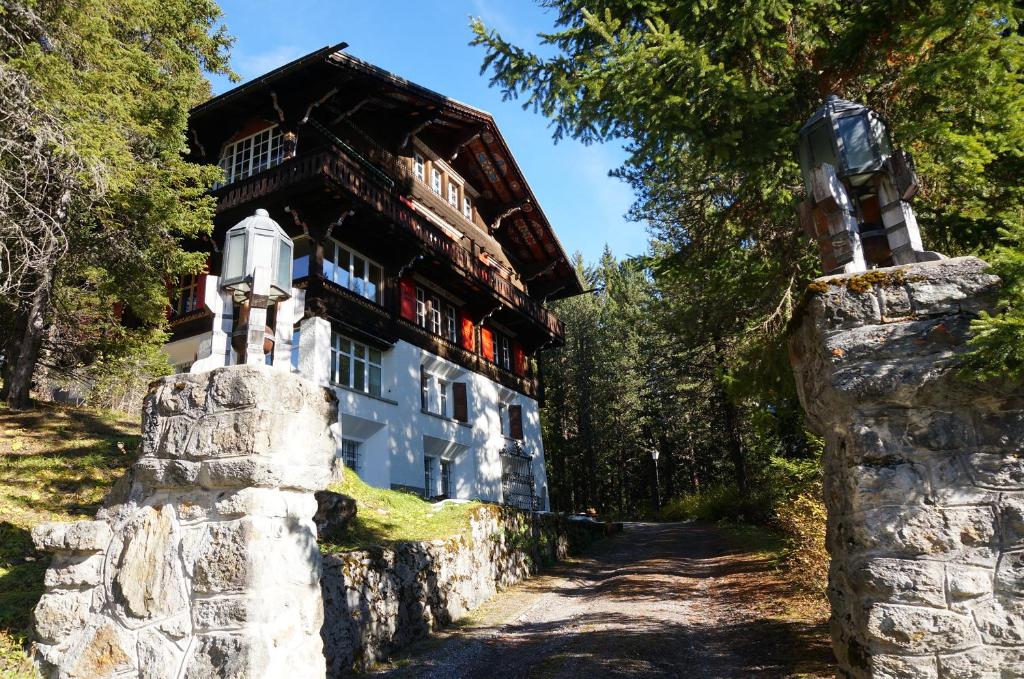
{"x":421,"y":308}
{"x":451,"y":322}
{"x":434,"y":314}
{"x":446,"y":478}
{"x":428,"y":476}
{"x":185,"y":297}
{"x":435,"y":180}
{"x":350,"y":454}
{"x":503,"y":419}
{"x":419,"y":167}
{"x":453,"y":194}
{"x":250,"y":155}
{"x":467,"y":208}
{"x":295,"y":348}
{"x":303,"y":248}
{"x":442,"y":388}
{"x":424,"y":390}
{"x":355,"y":365}
{"x":351,"y":270}
{"x":505,"y":352}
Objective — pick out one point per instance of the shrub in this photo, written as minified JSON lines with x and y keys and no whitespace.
{"x":802,"y":521}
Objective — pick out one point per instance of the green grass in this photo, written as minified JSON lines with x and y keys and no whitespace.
{"x":56,"y":464}
{"x":387,"y":516}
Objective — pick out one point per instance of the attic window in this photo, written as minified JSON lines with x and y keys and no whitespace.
{"x":249,"y":155}
{"x":453,"y":194}
{"x":419,"y":167}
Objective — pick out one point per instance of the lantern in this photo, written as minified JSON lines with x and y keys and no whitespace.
{"x":257,"y":241}
{"x":848,"y":136}
{"x":257,"y":271}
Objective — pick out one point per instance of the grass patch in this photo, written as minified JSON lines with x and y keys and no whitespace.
{"x":387,"y":516}
{"x":56,"y":464}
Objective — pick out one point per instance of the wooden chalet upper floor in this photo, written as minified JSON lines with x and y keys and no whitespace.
{"x":339,"y":150}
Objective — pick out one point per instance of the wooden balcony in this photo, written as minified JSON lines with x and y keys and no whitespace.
{"x":369,"y":184}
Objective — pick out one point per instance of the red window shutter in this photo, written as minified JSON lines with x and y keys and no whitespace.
{"x":460,"y":409}
{"x":515,"y":422}
{"x":487,"y":343}
{"x":407,"y":293}
{"x":518,"y":359}
{"x":467,"y":332}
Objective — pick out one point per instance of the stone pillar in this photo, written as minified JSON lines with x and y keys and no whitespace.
{"x":206,"y":562}
{"x":924,"y":474}
{"x":315,"y":350}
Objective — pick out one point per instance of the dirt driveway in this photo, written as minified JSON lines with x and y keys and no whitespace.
{"x":660,"y":600}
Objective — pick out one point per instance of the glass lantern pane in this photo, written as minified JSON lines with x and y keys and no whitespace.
{"x":234,"y":257}
{"x":880,"y":131}
{"x":284,"y":265}
{"x":821,"y":144}
{"x":857,"y":149}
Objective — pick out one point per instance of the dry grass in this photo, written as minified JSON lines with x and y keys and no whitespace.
{"x":56,"y":464}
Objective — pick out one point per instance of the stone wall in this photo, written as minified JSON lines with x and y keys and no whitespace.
{"x":378,"y":600}
{"x":205,"y":562}
{"x":924,"y":474}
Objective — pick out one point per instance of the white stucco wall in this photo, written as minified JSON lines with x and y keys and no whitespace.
{"x":393,"y":432}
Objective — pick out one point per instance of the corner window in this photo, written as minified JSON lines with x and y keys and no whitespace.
{"x":453,"y":194}
{"x":419,"y":167}
{"x":355,"y":365}
{"x":351,"y":270}
{"x":435,"y":180}
{"x":185,"y":298}
{"x":250,"y":155}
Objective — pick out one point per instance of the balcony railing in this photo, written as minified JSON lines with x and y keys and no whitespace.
{"x":335,"y":165}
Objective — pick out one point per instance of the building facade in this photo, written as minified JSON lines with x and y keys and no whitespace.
{"x":421,"y":266}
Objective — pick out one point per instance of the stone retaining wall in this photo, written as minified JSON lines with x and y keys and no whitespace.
{"x":379,"y":600}
{"x":924,"y":474}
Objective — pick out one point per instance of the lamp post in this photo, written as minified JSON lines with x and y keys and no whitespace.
{"x":859,"y":189}
{"x":657,"y":480}
{"x":257,"y":271}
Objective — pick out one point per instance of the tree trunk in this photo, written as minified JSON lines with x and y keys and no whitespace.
{"x":736,"y":454}
{"x":23,"y":363}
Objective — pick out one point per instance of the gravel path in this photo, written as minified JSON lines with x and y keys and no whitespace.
{"x":660,"y":600}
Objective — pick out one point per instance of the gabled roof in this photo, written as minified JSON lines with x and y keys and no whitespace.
{"x":333,"y":81}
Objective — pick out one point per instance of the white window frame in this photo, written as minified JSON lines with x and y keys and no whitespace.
{"x":343,"y":347}
{"x":503,"y":427}
{"x":421,"y":307}
{"x":250,"y":155}
{"x":357,"y":284}
{"x":434,"y":313}
{"x":442,"y":391}
{"x":446,"y":477}
{"x":467,"y":207}
{"x":435,"y":180}
{"x":428,"y":476}
{"x":419,"y":166}
{"x":453,"y":198}
{"x":505,"y":356}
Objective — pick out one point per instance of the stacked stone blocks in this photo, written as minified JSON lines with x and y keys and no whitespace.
{"x":205,"y":564}
{"x":924,"y":474}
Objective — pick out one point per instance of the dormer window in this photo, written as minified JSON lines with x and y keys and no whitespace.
{"x":249,"y":155}
{"x":419,"y":167}
{"x":435,"y":180}
{"x":467,"y":208}
{"x":453,"y":194}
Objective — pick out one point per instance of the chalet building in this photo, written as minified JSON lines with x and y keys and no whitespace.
{"x":421,"y":266}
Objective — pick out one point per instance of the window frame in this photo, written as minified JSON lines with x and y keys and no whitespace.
{"x":453,"y":201}
{"x":185,"y":296}
{"x":350,"y":283}
{"x":419,"y":166}
{"x":436,"y":180}
{"x":350,"y":453}
{"x":467,"y":207}
{"x":353,"y":357}
{"x":236,"y":169}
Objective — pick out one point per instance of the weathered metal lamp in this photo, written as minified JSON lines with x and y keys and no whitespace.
{"x":858,"y":189}
{"x":257,"y":271}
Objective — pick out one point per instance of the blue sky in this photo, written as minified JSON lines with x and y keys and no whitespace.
{"x":426,"y":41}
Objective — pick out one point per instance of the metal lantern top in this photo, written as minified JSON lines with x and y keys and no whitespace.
{"x":257,"y":242}
{"x":850,"y":137}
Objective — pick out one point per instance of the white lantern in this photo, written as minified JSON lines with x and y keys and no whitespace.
{"x":257,"y":241}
